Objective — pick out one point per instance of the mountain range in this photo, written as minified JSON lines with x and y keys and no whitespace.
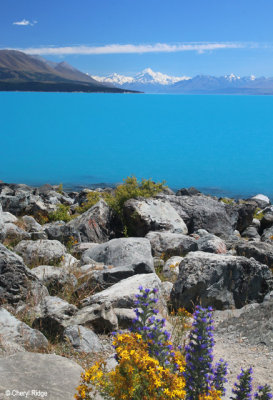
{"x":149,"y":81}
{"x":21,"y":72}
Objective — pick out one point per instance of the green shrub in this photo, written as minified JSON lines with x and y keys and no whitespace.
{"x":92,"y":199}
{"x":61,"y":214}
{"x":131,"y":189}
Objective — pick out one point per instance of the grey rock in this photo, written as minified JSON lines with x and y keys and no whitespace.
{"x":13,"y":330}
{"x":191,"y":191}
{"x":41,"y":252}
{"x":31,"y":225}
{"x":171,"y":267}
{"x":14,"y":233}
{"x":125,"y":317}
{"x":267,"y":235}
{"x":54,"y":317}
{"x":7,"y":217}
{"x":122,"y":294}
{"x":267,"y":221}
{"x":171,"y":244}
{"x":54,"y":376}
{"x":38,"y":235}
{"x":83,"y":339}
{"x":262,"y":252}
{"x":16,"y":280}
{"x":95,"y":225}
{"x":78,"y":249}
{"x":203,"y":212}
{"x":220,"y":281}
{"x":243,"y":214}
{"x":54,"y":278}
{"x":107,"y":276}
{"x":211,"y":244}
{"x":262,"y":200}
{"x":122,"y":252}
{"x":251,"y":233}
{"x":259,"y":331}
{"x":152,"y":214}
{"x":99,"y":317}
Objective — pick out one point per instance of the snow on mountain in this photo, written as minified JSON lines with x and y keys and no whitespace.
{"x":147,"y":76}
{"x":232,"y":77}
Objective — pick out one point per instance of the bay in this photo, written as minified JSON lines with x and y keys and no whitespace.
{"x":220,"y":144}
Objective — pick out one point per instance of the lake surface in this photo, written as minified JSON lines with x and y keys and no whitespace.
{"x":222,"y":144}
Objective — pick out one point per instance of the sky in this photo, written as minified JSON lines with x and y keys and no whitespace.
{"x":176,"y":37}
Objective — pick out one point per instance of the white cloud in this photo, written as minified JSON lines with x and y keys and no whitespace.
{"x":25,"y":22}
{"x":131,"y":48}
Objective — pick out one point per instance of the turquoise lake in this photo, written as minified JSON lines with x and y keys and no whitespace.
{"x":221,"y":144}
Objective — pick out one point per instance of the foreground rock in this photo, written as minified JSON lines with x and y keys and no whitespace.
{"x":220,"y":281}
{"x":122,"y":294}
{"x":262,"y":252}
{"x":99,"y":317}
{"x":171,"y":244}
{"x":151,"y":214}
{"x":83,"y":339}
{"x":54,"y":278}
{"x":54,"y":316}
{"x":45,"y":252}
{"x":122,"y":252}
{"x":253,"y":323}
{"x":17,"y":283}
{"x":95,"y":225}
{"x":203,"y":212}
{"x":13,"y":330}
{"x":54,"y":376}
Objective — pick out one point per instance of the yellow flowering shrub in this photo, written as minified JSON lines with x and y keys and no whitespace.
{"x":138,"y":376}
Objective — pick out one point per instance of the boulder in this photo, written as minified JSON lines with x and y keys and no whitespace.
{"x":151,"y":214}
{"x":54,"y":278}
{"x":220,"y":281}
{"x":242,"y":213}
{"x":171,"y":244}
{"x":13,"y":330}
{"x":2,"y":225}
{"x":171,"y":267}
{"x":251,"y":233}
{"x":106,"y":276}
{"x":41,"y":252}
{"x":7,"y":217}
{"x":211,"y":244}
{"x":14,"y":234}
{"x":261,"y":200}
{"x":262,"y":252}
{"x":203,"y":212}
{"x":122,"y":294}
{"x":95,"y":225}
{"x":191,"y":191}
{"x":16,"y":280}
{"x":267,"y":235}
{"x":48,"y":375}
{"x":30,"y":224}
{"x":258,"y":332}
{"x":54,"y":317}
{"x":122,"y":252}
{"x":99,"y":317}
{"x":83,"y":339}
{"x":267,"y":221}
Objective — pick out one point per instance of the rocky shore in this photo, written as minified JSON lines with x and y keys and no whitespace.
{"x":66,"y":284}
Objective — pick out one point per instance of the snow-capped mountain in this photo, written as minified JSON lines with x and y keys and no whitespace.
{"x":147,"y":80}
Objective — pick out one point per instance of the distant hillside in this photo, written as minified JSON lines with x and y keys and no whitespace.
{"x":21,"y":72}
{"x":155,"y":82}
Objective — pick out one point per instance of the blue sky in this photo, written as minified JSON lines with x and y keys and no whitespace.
{"x":177,"y":37}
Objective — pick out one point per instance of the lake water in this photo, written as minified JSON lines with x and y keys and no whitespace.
{"x":222,"y":144}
